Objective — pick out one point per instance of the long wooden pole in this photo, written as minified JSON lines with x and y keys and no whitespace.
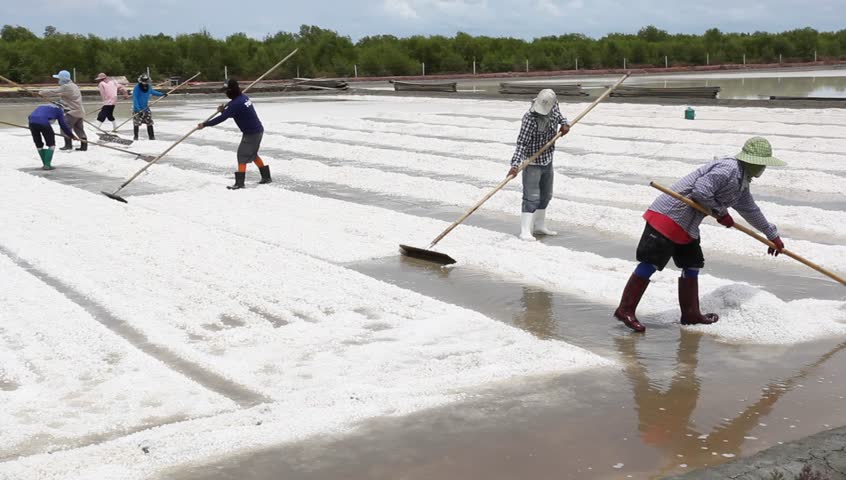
{"x":751,"y":233}
{"x":157,"y":100}
{"x":113,"y":195}
{"x":37,"y":94}
{"x":526,"y":163}
{"x":141,"y":155}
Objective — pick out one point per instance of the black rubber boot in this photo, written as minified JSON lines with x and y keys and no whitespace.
{"x":265,"y":174}
{"x":689,"y":304}
{"x":628,"y":303}
{"x":150,"y":134}
{"x":239,"y":181}
{"x":135,"y":132}
{"x":68,"y":144}
{"x":83,"y":145}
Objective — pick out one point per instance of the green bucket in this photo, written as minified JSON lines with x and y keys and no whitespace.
{"x":689,"y":114}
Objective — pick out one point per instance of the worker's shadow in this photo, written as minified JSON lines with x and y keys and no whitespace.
{"x":664,"y":416}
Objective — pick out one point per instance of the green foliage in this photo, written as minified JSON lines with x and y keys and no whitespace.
{"x":24,"y":56}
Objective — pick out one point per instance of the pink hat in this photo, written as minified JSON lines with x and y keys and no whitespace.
{"x":100,"y":76}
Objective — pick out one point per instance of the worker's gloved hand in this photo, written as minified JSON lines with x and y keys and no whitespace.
{"x":512,"y":172}
{"x":564,"y":129}
{"x":779,"y":247}
{"x":726,"y":220}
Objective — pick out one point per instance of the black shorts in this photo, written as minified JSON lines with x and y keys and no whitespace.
{"x":107,"y":112}
{"x":39,"y":131}
{"x":656,"y":249}
{"x":249,"y":148}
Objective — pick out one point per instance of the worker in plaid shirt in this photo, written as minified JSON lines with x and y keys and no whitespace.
{"x":540,"y":124}
{"x":672,"y":228}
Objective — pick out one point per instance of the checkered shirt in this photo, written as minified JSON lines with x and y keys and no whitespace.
{"x":531,"y":139}
{"x":717,"y":185}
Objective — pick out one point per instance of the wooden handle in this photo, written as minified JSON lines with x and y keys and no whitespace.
{"x":155,"y":160}
{"x":751,"y":233}
{"x":158,"y":99}
{"x":526,"y":163}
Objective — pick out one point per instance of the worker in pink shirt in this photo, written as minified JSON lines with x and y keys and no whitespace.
{"x":109,"y":90}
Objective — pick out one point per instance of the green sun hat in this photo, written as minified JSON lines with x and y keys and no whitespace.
{"x":758,"y":151}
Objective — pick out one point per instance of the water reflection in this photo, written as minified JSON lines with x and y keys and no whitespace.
{"x":536,"y":315}
{"x":664,"y":416}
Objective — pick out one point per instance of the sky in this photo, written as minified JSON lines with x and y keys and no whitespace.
{"x":515,"y":18}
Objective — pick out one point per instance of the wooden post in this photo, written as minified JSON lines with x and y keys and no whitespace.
{"x":474,"y":66}
{"x":707,"y":59}
{"x":744,"y":59}
{"x":577,"y":63}
{"x":225,"y":72}
{"x":423,"y":66}
{"x":666,"y":62}
{"x":624,"y":63}
{"x":779,"y":59}
{"x":355,"y":69}
{"x":527,"y":65}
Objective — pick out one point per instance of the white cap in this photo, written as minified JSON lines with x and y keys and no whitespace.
{"x":544,"y":102}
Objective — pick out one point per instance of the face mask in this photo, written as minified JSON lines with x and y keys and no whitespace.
{"x":755,"y":170}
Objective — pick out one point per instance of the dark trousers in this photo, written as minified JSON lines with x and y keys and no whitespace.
{"x":656,"y":249}
{"x":106,"y":113}
{"x":46,"y":131}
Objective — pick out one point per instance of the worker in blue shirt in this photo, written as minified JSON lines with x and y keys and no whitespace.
{"x":241,"y":109}
{"x":141,"y":106}
{"x":40,"y":126}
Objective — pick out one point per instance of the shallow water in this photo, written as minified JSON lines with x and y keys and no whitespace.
{"x":734,"y":85}
{"x":680,"y":398}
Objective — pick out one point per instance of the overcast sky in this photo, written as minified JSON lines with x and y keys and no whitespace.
{"x":516,"y":18}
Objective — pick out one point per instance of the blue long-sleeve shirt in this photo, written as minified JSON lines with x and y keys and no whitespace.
{"x":43,"y":114}
{"x":141,"y":99}
{"x":242,"y":111}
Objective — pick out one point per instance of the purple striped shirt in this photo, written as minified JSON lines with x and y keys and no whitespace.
{"x":532,"y":138}
{"x":718,"y":185}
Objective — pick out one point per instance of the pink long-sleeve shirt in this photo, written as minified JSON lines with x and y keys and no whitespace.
{"x":109,"y":90}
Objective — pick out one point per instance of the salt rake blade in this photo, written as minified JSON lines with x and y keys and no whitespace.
{"x":114,"y":196}
{"x":428,"y":255}
{"x":108,"y":137}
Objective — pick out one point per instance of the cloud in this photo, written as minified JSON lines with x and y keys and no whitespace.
{"x":119,"y":7}
{"x":548,"y":7}
{"x":400,"y":8}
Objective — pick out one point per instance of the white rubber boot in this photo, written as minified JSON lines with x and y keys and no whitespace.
{"x":540,"y":224}
{"x":526,"y":220}
{"x":114,"y":125}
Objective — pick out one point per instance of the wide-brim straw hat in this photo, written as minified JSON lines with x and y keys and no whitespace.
{"x":100,"y":76}
{"x":758,"y":151}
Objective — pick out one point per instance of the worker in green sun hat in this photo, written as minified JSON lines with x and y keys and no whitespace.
{"x":672,"y":227}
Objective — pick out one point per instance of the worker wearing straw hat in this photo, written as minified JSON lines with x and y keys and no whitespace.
{"x":540,"y":124}
{"x":672,"y":228}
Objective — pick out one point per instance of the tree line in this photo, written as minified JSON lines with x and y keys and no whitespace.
{"x":27,"y":57}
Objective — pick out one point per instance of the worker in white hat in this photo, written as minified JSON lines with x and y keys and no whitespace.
{"x":540,"y":124}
